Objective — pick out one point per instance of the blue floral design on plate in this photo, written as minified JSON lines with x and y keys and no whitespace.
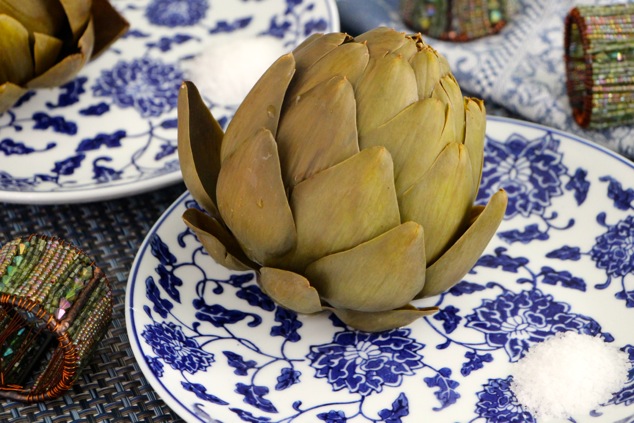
{"x":111,"y":131}
{"x":561,"y":262}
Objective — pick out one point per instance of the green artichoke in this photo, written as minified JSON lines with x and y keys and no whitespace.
{"x":346,"y":178}
{"x":44,"y":43}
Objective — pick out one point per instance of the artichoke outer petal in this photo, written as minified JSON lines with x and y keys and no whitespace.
{"x":261,"y":108}
{"x":349,"y":61}
{"x":78,"y":13}
{"x":44,"y":16}
{"x":9,"y":94}
{"x":289,"y":289}
{"x":16,"y":65}
{"x":109,"y":25}
{"x":252,"y":199}
{"x":217,"y":240}
{"x":305,"y":151}
{"x":315,"y":47}
{"x":463,"y":254}
{"x":46,"y":50}
{"x":413,"y":138}
{"x":441,"y":200}
{"x":362,"y":188}
{"x":448,"y":91}
{"x":428,"y":70}
{"x":384,"y":40}
{"x":199,"y":141}
{"x":378,"y":103}
{"x":382,"y":274}
{"x":475,"y":127}
{"x":66,"y":69}
{"x":382,"y":320}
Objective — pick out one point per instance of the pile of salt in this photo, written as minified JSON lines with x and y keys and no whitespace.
{"x":568,"y":374}
{"x":226,"y":70}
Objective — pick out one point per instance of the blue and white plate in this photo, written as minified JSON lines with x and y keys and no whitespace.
{"x":216,"y":349}
{"x":111,"y":131}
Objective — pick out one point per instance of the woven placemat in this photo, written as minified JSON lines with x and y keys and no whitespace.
{"x":111,"y":388}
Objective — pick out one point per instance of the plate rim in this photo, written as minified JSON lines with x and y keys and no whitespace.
{"x":162,"y":391}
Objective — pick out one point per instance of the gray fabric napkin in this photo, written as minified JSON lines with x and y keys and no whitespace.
{"x":521,"y":68}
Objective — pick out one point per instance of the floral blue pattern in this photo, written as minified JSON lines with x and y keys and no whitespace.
{"x":560,"y":262}
{"x":112,"y":130}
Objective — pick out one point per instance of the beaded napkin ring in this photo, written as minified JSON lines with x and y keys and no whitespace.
{"x":456,"y":20}
{"x":55,"y":306}
{"x":599,"y":55}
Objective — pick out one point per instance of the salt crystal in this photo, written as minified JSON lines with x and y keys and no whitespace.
{"x":225,"y":71}
{"x":569,"y":374}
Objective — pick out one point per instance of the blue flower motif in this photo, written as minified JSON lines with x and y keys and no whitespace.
{"x":497,"y":403}
{"x":148,"y":85}
{"x":173,"y":13}
{"x":614,"y":250}
{"x":515,"y":321}
{"x":179,"y":351}
{"x":529,"y":171}
{"x":364,"y":362}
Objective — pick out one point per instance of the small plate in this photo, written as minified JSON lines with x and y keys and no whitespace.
{"x":216,"y":349}
{"x":111,"y":132}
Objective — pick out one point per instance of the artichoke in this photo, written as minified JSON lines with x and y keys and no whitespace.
{"x":44,"y":43}
{"x":346,"y":178}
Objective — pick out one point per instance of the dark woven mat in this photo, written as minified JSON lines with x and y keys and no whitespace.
{"x":112,"y":387}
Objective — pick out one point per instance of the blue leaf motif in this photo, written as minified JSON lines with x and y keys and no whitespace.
{"x":465,"y":288}
{"x":68,"y":166}
{"x":10,"y":147}
{"x":501,"y":260}
{"x":95,"y":110}
{"x":59,"y":124}
{"x":628,"y":296}
{"x":108,"y":140}
{"x":400,"y":408}
{"x":169,"y":124}
{"x":238,"y":363}
{"x":449,"y":317}
{"x":104,"y":173}
{"x":531,"y":233}
{"x":255,"y":297}
{"x":161,"y":306}
{"x":71,"y":92}
{"x":287,"y":378}
{"x":240,"y":280}
{"x":170,"y":282}
{"x":563,"y":278}
{"x":289,"y":324}
{"x":225,"y":26}
{"x":579,"y":185}
{"x":246,"y":416}
{"x":566,"y":253}
{"x":201,"y":392}
{"x":446,"y":393}
{"x":623,"y":198}
{"x":219,"y":316}
{"x":254,"y":395}
{"x":315,"y":25}
{"x":161,"y":251}
{"x":333,"y":416}
{"x":475,"y":362}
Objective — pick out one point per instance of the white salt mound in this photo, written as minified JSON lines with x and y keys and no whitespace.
{"x":569,"y":374}
{"x":226,"y":70}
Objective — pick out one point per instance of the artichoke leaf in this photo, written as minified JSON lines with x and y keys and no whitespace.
{"x":413,"y":138}
{"x":78,"y":14}
{"x":463,"y":254}
{"x":109,"y":25}
{"x":289,"y":289}
{"x":426,"y":70}
{"x":448,"y":91}
{"x":46,"y":50}
{"x":349,"y":60}
{"x":382,"y":274}
{"x":382,"y":320}
{"x":16,"y":64}
{"x":441,"y":200}
{"x":252,"y":199}
{"x":475,"y":127}
{"x":66,"y":69}
{"x":315,"y":47}
{"x":217,"y":240}
{"x":44,"y":16}
{"x":304,"y":150}
{"x":9,"y":94}
{"x":383,"y":40}
{"x":261,"y":108}
{"x":378,"y":103}
{"x":362,"y":188}
{"x":199,"y":141}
